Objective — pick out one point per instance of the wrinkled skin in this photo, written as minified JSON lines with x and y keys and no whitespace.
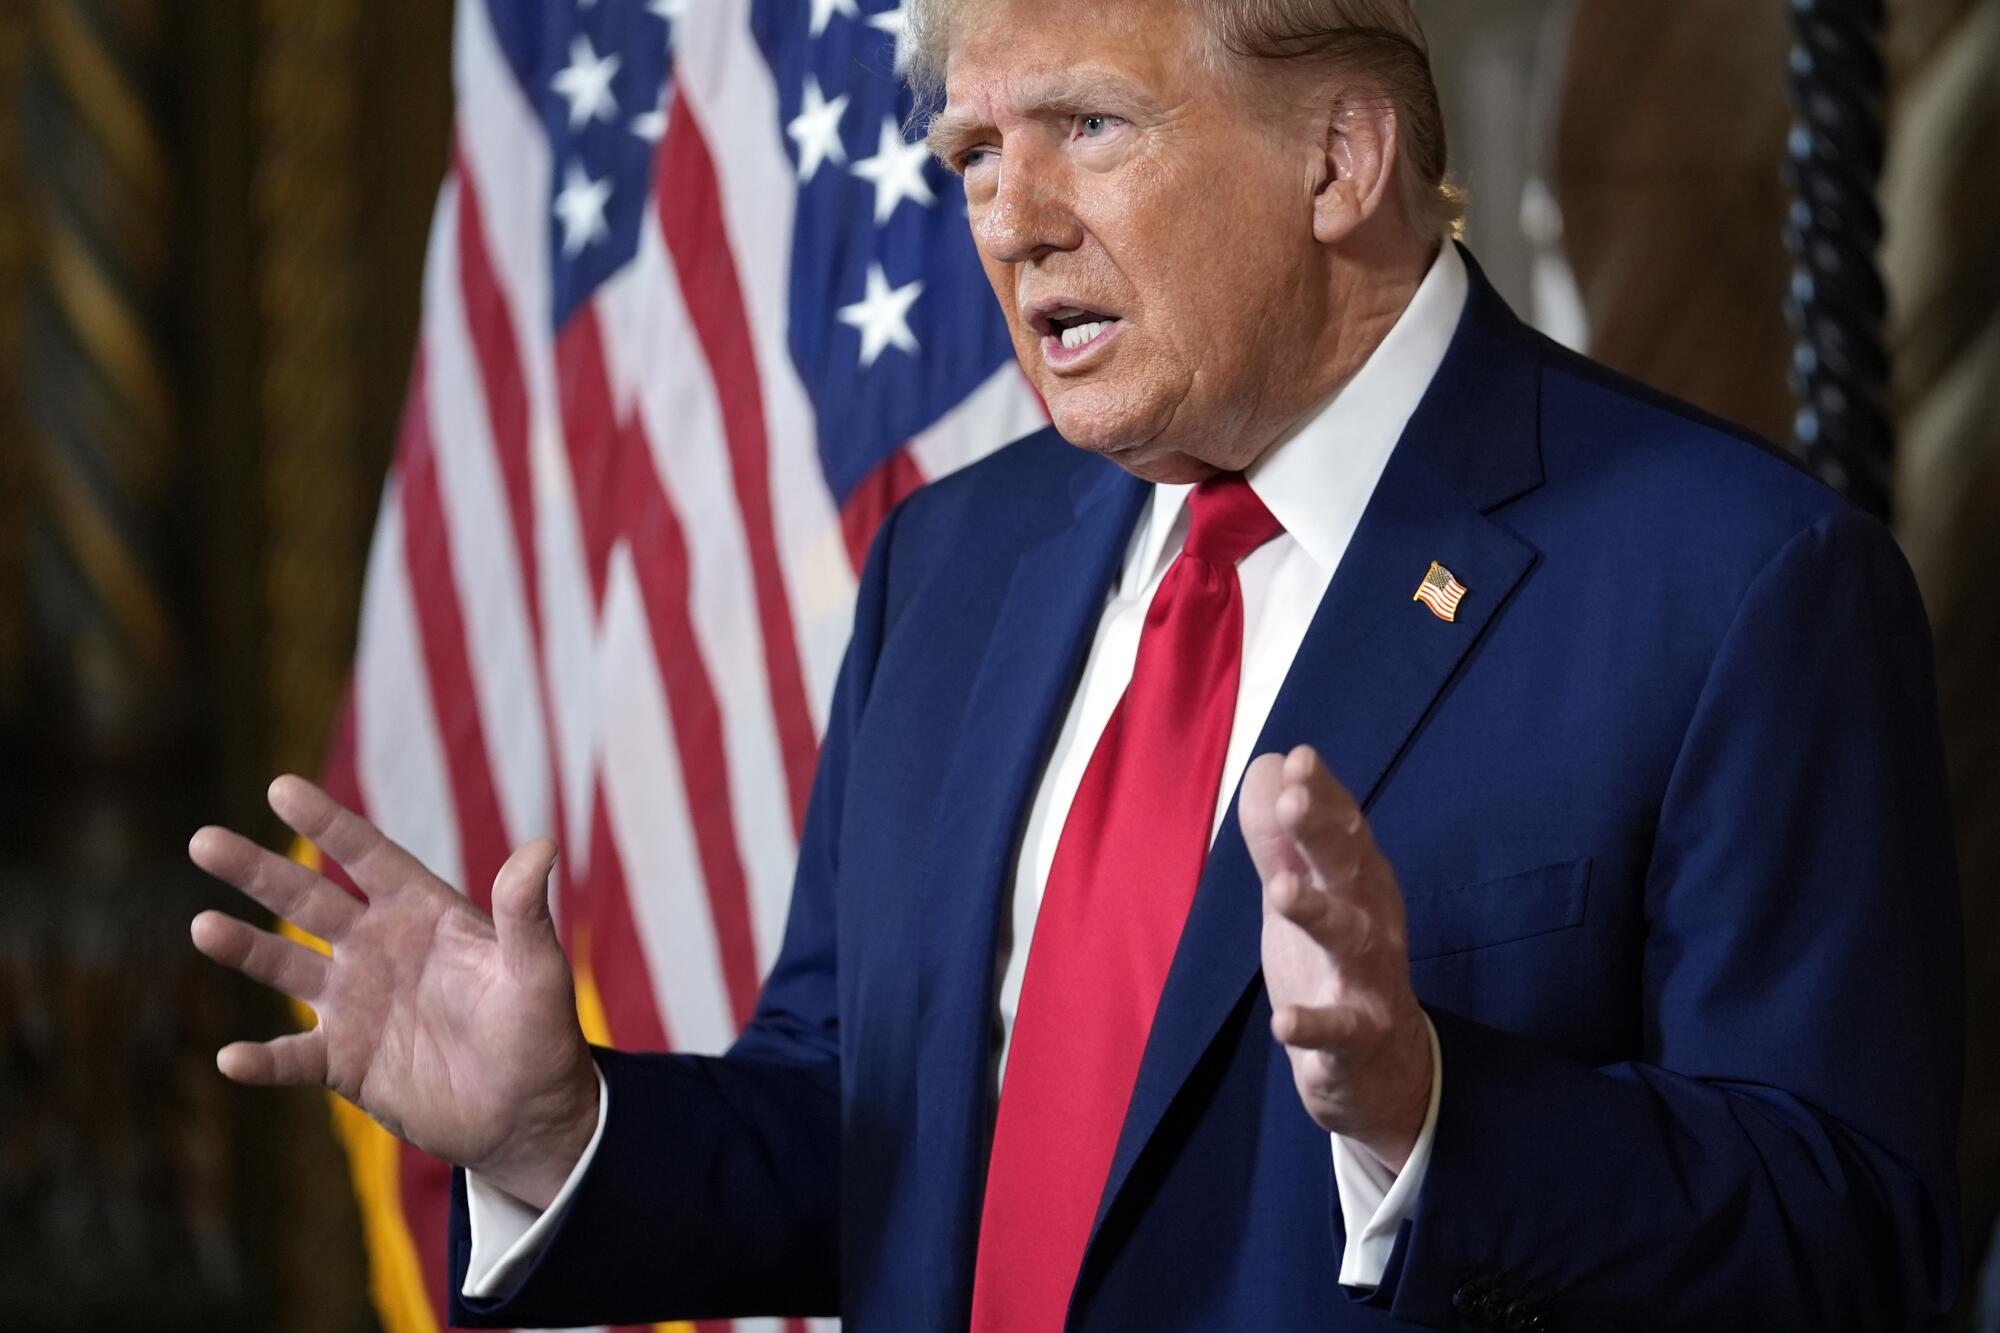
{"x":454,"y":1030}
{"x":1242,"y":230}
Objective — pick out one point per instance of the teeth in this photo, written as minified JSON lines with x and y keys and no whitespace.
{"x":1074,"y":338}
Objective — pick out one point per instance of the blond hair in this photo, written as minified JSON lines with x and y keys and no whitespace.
{"x":1381,"y":40}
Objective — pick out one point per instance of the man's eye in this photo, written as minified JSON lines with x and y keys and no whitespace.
{"x":1091,"y":127}
{"x":971,"y":158}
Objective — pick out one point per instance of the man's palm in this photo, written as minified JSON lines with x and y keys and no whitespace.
{"x":1336,"y":960}
{"x":456,"y":1031}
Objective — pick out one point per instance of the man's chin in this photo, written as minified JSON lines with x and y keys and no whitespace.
{"x":1139,"y":451}
{"x":1121,"y":447}
{"x":1087,"y":420}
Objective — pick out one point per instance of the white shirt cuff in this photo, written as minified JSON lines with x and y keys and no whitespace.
{"x":507,"y":1234}
{"x":1375,"y":1201}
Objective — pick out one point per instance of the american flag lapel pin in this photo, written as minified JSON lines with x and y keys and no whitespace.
{"x":1440,"y":592}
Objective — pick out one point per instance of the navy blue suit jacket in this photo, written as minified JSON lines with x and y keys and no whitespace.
{"x":1666,"y":803}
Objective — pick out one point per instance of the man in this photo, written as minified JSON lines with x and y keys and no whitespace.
{"x":1580,"y":955}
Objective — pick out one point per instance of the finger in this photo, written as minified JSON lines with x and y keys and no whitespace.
{"x":375,"y":863}
{"x":299,"y":1057}
{"x":278,"y":882}
{"x":1272,"y":849}
{"x":1339,"y":927}
{"x":279,"y":963}
{"x":521,"y":906}
{"x":1322,"y":819}
{"x":1321,"y":1027}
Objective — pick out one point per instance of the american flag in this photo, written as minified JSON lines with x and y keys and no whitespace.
{"x":696,"y":314}
{"x":1440,"y":592}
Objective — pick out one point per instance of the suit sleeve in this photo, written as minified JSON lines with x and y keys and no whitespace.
{"x":1782,"y":1157}
{"x":715,"y":1188}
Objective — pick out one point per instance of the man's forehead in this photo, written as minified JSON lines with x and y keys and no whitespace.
{"x":988,"y":93}
{"x":1031,"y":51}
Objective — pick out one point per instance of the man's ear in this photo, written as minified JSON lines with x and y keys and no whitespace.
{"x":1358,"y":167}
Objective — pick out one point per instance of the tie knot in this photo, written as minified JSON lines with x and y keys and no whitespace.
{"x":1227,"y":521}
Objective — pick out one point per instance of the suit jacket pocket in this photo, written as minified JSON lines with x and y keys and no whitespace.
{"x":1495,"y":911}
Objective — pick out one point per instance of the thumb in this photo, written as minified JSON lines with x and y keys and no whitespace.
{"x":1272,"y":849}
{"x":521,"y":904}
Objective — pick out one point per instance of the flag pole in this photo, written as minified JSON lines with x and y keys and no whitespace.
{"x":1837,"y":302}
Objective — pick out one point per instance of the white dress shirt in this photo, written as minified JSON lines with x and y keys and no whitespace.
{"x":1316,"y":482}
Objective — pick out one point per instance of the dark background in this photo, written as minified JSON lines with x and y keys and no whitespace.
{"x":212,"y":219}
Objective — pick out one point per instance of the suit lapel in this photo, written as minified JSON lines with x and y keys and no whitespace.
{"x":1044,"y":629}
{"x":1371,"y":666}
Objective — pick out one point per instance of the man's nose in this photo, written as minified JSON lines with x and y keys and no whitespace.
{"x":1030,"y":214}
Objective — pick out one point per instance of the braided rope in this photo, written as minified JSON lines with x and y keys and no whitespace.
{"x":1837,"y":303}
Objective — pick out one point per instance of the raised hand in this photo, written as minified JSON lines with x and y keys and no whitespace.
{"x":1336,"y":956}
{"x":455,"y":1030}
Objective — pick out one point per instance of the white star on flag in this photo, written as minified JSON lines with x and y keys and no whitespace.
{"x":673,"y":11}
{"x":896,"y":171}
{"x":883,"y":316}
{"x":586,"y":83}
{"x":651,"y":125}
{"x":896,"y":23}
{"x":824,"y":10}
{"x":816,"y":130}
{"x":580,"y":205}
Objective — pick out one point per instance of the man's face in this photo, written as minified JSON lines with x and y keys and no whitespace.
{"x":1148,"y":235}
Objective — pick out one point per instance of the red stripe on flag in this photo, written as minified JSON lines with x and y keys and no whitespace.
{"x":690,"y":201}
{"x":490,"y":324}
{"x":870,"y":502}
{"x":590,"y":434}
{"x":482,"y":834}
{"x":618,"y":963}
{"x":660,"y":559}
{"x":631,"y":503}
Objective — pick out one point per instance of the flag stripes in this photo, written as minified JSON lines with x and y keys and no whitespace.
{"x":1440,"y":592}
{"x":482,"y":835}
{"x":611,"y":581}
{"x":691,"y":220}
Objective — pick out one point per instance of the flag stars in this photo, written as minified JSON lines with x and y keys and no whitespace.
{"x":580,"y":207}
{"x":673,"y":11}
{"x":883,"y":316}
{"x":896,"y":23}
{"x":585,"y":83}
{"x":896,"y":171}
{"x":816,"y":130}
{"x":824,"y":10}
{"x":651,"y":125}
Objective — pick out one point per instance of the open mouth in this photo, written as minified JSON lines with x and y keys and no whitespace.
{"x":1072,"y":328}
{"x":1076,"y":328}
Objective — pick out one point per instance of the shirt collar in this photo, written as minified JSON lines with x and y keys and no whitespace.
{"x":1318,"y":478}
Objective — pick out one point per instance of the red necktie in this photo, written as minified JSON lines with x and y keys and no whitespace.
{"x":1118,"y":893}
